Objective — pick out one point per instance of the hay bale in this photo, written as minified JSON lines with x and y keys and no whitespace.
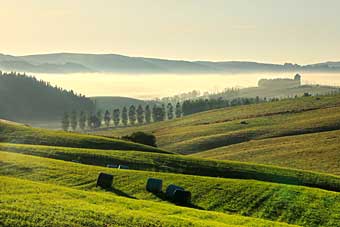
{"x":154,"y":185}
{"x":182,"y":196}
{"x":104,"y":180}
{"x":170,"y":190}
{"x":123,"y":167}
{"x":111,"y":166}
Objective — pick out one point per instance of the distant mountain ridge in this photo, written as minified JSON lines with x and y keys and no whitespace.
{"x":114,"y":63}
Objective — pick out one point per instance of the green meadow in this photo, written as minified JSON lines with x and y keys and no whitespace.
{"x":222,"y":127}
{"x":315,"y":151}
{"x":277,"y":202}
{"x":269,"y":164}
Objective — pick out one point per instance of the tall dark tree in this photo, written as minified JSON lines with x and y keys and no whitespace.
{"x":132,"y":115}
{"x":95,"y":121}
{"x":170,"y":111}
{"x":88,"y":119}
{"x":154,"y":113}
{"x":140,"y":114}
{"x":158,"y":113}
{"x":65,"y":123}
{"x":148,"y":114}
{"x":82,"y":120}
{"x":74,"y":120}
{"x":99,"y":119}
{"x":178,"y":110}
{"x":125,"y":116}
{"x":107,"y":118}
{"x":116,"y":117}
{"x":163,"y":113}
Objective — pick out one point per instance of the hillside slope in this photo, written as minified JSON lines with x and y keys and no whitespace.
{"x":17,"y":133}
{"x":315,"y":151}
{"x":39,"y":205}
{"x":25,"y":98}
{"x":222,"y":127}
{"x":179,"y":164}
{"x":311,"y":207}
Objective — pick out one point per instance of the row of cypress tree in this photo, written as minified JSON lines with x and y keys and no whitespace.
{"x":121,"y":117}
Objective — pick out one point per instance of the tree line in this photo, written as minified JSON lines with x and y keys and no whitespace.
{"x":200,"y":105}
{"x":127,"y":116}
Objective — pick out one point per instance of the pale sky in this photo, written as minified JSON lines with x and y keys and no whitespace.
{"x":278,"y":31}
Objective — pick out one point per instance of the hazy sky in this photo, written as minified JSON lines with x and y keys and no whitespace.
{"x":300,"y":31}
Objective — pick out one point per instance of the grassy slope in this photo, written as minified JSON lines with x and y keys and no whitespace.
{"x":316,"y":152}
{"x":216,"y":128}
{"x":181,"y":164}
{"x":27,"y":203}
{"x":291,"y":204}
{"x":17,"y":133}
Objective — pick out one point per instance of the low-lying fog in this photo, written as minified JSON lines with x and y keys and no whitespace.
{"x":153,"y":86}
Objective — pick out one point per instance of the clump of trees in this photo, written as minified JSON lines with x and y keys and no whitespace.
{"x":127,"y":116}
{"x":142,"y":137}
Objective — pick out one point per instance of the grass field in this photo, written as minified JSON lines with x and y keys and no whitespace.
{"x":222,"y":127}
{"x":315,"y":151}
{"x":26,"y":203}
{"x":17,"y":133}
{"x":278,"y":202}
{"x":181,"y":164}
{"x":48,"y":178}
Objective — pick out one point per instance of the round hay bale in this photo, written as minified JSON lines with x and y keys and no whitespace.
{"x":182,"y":196}
{"x":170,"y":190}
{"x":105,"y":180}
{"x":154,"y":185}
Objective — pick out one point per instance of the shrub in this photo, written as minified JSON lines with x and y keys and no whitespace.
{"x":142,"y":137}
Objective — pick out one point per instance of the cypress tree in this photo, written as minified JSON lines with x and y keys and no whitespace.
{"x":178,"y":110}
{"x":107,"y":118}
{"x":132,"y":115}
{"x":74,"y":120}
{"x":124,"y":116}
{"x":99,"y":119}
{"x":116,"y":117}
{"x":65,"y":123}
{"x":82,"y":120}
{"x":140,"y":114}
{"x":148,"y":114}
{"x":170,"y":111}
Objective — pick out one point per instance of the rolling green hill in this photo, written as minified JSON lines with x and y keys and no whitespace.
{"x":180,"y":164}
{"x":17,"y":133}
{"x":311,"y":207}
{"x":315,"y":151}
{"x":41,"y":185}
{"x":222,"y":127}
{"x":26,"y":203}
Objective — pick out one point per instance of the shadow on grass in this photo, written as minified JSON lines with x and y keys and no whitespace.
{"x":119,"y":192}
{"x":162,"y":196}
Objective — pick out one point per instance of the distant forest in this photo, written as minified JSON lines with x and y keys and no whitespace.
{"x":24,"y":97}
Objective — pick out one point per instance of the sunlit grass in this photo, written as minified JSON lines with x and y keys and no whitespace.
{"x":293,"y":204}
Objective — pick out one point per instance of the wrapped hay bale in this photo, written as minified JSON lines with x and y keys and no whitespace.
{"x":104,"y":180}
{"x":154,"y":185}
{"x":182,"y":196}
{"x":123,"y":167}
{"x":170,"y":190}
